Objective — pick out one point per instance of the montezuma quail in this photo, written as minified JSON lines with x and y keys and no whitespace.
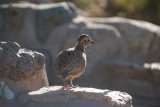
{"x":71,"y":63}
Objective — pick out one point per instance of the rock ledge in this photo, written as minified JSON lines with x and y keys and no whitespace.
{"x":80,"y":96}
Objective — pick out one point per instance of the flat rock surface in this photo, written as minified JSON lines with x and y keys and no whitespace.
{"x":75,"y":97}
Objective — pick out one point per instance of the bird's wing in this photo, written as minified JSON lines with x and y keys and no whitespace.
{"x":66,"y":61}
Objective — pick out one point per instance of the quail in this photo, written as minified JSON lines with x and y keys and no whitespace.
{"x":71,"y":63}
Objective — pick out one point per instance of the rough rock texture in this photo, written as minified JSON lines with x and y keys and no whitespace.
{"x":78,"y":97}
{"x":21,"y":69}
{"x":117,"y":60}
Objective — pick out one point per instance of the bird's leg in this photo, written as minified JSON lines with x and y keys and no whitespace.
{"x":71,"y":84}
{"x":65,"y":86}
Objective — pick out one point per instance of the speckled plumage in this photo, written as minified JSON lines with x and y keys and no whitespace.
{"x":71,"y":63}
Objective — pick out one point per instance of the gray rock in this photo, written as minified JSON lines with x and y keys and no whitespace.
{"x":5,"y":92}
{"x":141,"y":37}
{"x":90,"y":97}
{"x":22,"y":69}
{"x":140,"y":81}
{"x":46,"y":17}
{"x":18,"y":64}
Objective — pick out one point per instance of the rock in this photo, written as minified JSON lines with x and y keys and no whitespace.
{"x":141,"y":37}
{"x":79,"y":97}
{"x":46,"y":17}
{"x":19,"y":64}
{"x":5,"y":92}
{"x":21,"y":69}
{"x":140,"y":81}
{"x":55,"y":15}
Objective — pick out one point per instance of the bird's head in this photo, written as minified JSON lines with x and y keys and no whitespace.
{"x":85,"y":40}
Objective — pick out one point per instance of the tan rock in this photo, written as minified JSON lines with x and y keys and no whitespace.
{"x":78,"y":97}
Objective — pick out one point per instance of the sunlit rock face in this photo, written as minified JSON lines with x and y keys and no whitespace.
{"x":21,"y":69}
{"x":78,"y":97}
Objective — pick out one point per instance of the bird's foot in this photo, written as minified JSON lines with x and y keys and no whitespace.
{"x":74,"y":86}
{"x":67,"y":87}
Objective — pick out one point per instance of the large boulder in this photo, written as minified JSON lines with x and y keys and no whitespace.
{"x":21,"y":69}
{"x":33,"y":22}
{"x":141,"y":38}
{"x":140,"y":81}
{"x":79,"y":97}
